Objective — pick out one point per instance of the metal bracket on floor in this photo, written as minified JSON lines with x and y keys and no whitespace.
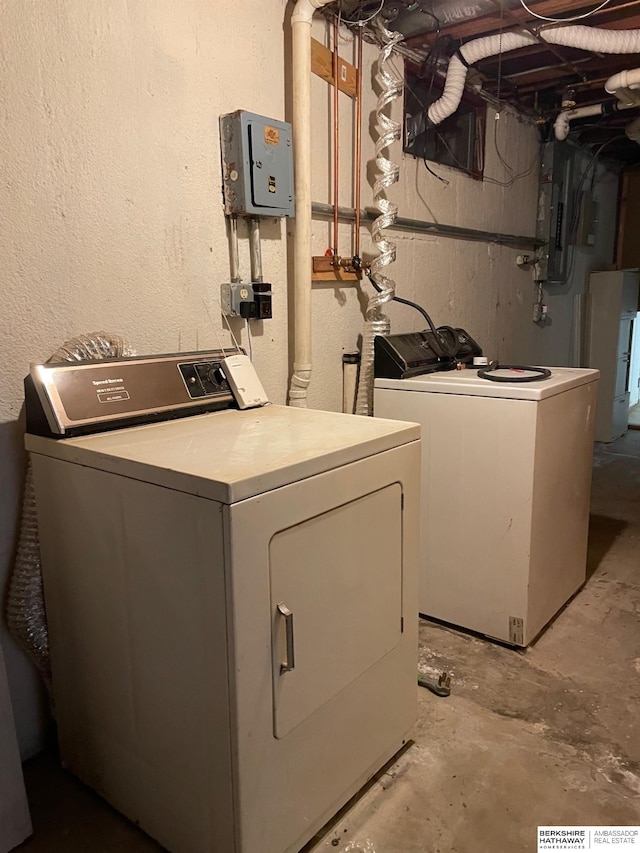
{"x":440,"y":686}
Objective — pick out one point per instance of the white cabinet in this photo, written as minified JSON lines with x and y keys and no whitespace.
{"x":613,"y":304}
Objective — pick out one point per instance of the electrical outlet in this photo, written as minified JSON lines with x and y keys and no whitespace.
{"x":236,"y":300}
{"x":540,"y":312}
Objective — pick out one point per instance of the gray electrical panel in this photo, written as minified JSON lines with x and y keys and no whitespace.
{"x":555,"y":212}
{"x":257,"y":166}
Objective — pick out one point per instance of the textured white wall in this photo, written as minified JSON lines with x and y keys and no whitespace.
{"x":111,"y":212}
{"x":111,"y":215}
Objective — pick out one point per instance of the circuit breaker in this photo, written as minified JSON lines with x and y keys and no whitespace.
{"x":257,"y":165}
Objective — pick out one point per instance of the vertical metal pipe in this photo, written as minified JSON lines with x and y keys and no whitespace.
{"x":358,"y":158}
{"x":336,"y":137}
{"x":255,"y":249}
{"x":234,"y":257}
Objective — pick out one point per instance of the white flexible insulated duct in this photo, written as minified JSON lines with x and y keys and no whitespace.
{"x":389,"y":131}
{"x":594,"y":38}
{"x":26,"y":616}
{"x":471,"y":52}
{"x":586,"y":38}
{"x":301,"y":71}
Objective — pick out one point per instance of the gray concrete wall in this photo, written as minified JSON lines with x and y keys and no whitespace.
{"x":561,"y":340}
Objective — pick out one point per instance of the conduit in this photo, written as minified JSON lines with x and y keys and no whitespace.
{"x":424,"y":226}
{"x":389,"y":131}
{"x":586,"y":38}
{"x":301,"y":71}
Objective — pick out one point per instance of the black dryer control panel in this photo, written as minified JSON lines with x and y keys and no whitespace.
{"x":203,"y":379}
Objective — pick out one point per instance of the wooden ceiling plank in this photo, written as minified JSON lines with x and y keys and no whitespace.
{"x":531,"y":62}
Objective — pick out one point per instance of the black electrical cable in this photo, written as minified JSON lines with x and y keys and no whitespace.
{"x":449,"y":349}
{"x":435,"y":174}
{"x":541,"y":373}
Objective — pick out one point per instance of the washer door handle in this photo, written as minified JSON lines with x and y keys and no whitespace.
{"x":289,"y":663}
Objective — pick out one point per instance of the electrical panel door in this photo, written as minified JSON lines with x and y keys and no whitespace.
{"x":555,"y":212}
{"x":270,"y":148}
{"x":257,"y":165}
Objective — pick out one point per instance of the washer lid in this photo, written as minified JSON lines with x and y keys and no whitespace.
{"x":468,"y":383}
{"x":232,"y":455}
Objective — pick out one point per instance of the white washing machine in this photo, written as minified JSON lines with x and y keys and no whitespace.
{"x":506,"y":480}
{"x":231,"y":599}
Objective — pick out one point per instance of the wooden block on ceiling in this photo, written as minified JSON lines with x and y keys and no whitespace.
{"x":322,"y":65}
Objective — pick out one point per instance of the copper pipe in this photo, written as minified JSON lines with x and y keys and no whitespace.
{"x":358,"y":166}
{"x":336,"y":138}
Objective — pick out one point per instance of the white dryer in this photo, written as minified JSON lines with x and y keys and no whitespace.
{"x":231,"y":599}
{"x":506,"y":480}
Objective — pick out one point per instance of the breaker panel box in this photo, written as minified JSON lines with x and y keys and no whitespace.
{"x":555,"y":212}
{"x":257,"y":165}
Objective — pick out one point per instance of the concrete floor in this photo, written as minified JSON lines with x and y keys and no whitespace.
{"x":546,"y":736}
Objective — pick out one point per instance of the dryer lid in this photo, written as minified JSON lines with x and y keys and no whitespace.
{"x":232,"y":455}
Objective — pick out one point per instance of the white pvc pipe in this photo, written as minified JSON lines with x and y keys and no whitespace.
{"x":632,"y":130}
{"x":587,"y":38}
{"x":301,"y":71}
{"x":623,"y":80}
{"x":562,"y":122}
{"x":349,"y":384}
